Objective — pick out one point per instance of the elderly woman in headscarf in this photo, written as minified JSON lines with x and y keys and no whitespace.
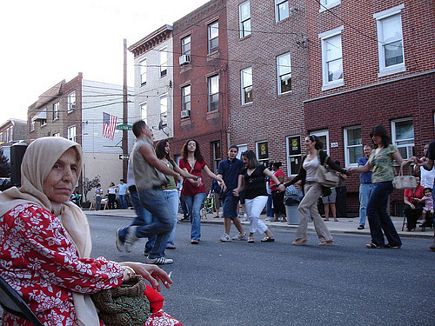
{"x":45,"y":242}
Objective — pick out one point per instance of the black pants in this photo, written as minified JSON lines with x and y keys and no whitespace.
{"x":112,"y":198}
{"x":412,"y":215}
{"x":278,"y":203}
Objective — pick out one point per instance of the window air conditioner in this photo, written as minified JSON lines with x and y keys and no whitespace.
{"x":185,"y":113}
{"x":184,"y":59}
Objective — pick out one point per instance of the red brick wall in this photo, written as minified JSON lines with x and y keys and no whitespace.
{"x":203,"y":126}
{"x":270,"y":117}
{"x":359,"y":40}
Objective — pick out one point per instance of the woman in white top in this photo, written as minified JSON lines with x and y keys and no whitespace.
{"x":313,"y":190}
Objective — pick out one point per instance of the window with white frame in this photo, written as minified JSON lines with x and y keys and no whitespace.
{"x":327,"y":4}
{"x":56,"y":111}
{"x":332,"y":58}
{"x":246,"y":85}
{"x":32,"y":124}
{"x":284,"y":71}
{"x":43,"y":117}
{"x":390,"y":40}
{"x":164,"y":110}
{"x":294,"y":154}
{"x":402,"y":132}
{"x":241,"y":149}
{"x":213,"y":93}
{"x":215,"y":154}
{"x":144,"y":112}
{"x":281,"y":10}
{"x":213,"y":37}
{"x":262,"y":148}
{"x":185,"y":101}
{"x":323,"y":136}
{"x":72,"y":133}
{"x":163,"y":62}
{"x":185,"y":45}
{"x":71,"y":102}
{"x":143,"y":71}
{"x":245,"y":19}
{"x":353,"y":147}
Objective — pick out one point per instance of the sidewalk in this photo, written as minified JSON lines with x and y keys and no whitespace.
{"x":344,"y":225}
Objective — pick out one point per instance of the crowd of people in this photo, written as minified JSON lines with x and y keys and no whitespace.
{"x":50,"y":264}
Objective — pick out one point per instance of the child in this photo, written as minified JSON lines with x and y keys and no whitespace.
{"x":428,"y":207}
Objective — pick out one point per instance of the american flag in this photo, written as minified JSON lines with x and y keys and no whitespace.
{"x":109,"y":125}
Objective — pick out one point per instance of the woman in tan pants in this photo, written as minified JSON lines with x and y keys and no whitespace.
{"x":313,"y":190}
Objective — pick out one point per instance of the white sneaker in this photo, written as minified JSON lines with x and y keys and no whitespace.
{"x":225,"y":238}
{"x":130,"y":238}
{"x":159,"y":261}
{"x":240,"y":237}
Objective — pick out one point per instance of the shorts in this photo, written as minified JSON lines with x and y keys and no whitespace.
{"x":331,"y":198}
{"x":230,"y":206}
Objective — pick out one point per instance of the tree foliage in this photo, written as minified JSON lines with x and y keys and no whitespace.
{"x":4,"y":165}
{"x":90,"y":184}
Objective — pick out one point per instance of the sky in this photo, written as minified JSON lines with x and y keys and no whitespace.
{"x":46,"y":41}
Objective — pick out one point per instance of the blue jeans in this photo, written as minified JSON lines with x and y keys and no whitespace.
{"x":122,"y":201}
{"x":172,"y":202}
{"x":379,"y":220}
{"x":194,"y":206}
{"x":143,"y":216}
{"x":365,"y":190}
{"x":154,"y":200}
{"x":269,"y":208}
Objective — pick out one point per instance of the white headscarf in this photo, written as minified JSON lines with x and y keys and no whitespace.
{"x":39,"y":159}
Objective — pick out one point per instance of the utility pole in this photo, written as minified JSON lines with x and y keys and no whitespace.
{"x":125,"y":116}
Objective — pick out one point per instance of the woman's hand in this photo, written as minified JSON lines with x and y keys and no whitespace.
{"x":236,"y":192}
{"x":281,"y":187}
{"x":152,"y":273}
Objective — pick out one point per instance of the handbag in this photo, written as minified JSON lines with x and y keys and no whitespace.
{"x":124,"y":305}
{"x":326,"y":177}
{"x":404,"y":181}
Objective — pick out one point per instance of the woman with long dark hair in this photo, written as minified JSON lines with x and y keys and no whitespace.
{"x":193,"y":191}
{"x":254,"y":185}
{"x":163,"y":151}
{"x":313,"y":190}
{"x":381,"y":164}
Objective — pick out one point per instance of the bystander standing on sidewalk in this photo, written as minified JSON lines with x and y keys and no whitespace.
{"x":365,"y":187}
{"x":122,"y":191}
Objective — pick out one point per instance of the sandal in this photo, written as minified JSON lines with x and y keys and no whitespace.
{"x":299,"y":242}
{"x":268,"y":239}
{"x":372,"y":245}
{"x":326,"y":242}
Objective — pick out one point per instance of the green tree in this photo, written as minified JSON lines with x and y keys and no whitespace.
{"x":4,"y":165}
{"x":90,"y":184}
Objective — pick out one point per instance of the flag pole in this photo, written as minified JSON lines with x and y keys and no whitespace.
{"x":125,"y":115}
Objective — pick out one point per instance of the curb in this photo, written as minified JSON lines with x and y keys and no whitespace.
{"x":211,"y":220}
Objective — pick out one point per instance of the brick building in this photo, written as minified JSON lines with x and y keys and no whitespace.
{"x":12,"y":130}
{"x":200,"y":81}
{"x":371,"y":63}
{"x":268,"y":64}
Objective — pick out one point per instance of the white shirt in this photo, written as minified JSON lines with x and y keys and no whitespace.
{"x":427,"y":177}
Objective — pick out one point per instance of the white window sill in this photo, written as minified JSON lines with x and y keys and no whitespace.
{"x":333,"y":85}
{"x":392,"y":70}
{"x":326,"y":7}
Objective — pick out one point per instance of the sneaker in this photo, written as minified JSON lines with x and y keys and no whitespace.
{"x":361,"y":227}
{"x":159,"y":261}
{"x":130,"y":238}
{"x":171,"y":246}
{"x":251,"y":239}
{"x":225,"y":238}
{"x":119,"y":243}
{"x":241,"y":237}
{"x":194,"y":241}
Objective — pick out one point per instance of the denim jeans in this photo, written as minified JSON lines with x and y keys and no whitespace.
{"x":143,"y":216}
{"x":154,"y":200}
{"x":122,"y":201}
{"x":269,"y":208}
{"x":379,"y":220}
{"x":172,"y":202}
{"x":365,"y":190}
{"x":194,"y":206}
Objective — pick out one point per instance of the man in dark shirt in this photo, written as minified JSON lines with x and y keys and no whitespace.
{"x":428,"y":163}
{"x":229,"y":171}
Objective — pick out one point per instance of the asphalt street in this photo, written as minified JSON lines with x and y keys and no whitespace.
{"x":237,"y":283}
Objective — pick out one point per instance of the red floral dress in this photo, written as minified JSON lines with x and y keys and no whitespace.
{"x":39,"y":260}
